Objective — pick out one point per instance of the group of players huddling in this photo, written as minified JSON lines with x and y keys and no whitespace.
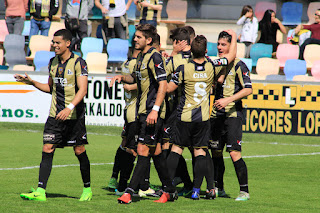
{"x":168,"y":109}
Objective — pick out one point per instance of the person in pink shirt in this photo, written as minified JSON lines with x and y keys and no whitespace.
{"x":315,"y":33}
{"x":15,"y":15}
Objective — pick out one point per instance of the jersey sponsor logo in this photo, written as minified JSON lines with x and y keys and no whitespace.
{"x":69,"y":72}
{"x":158,"y":66}
{"x":62,"y":81}
{"x":221,"y":61}
{"x":200,"y":75}
{"x":200,"y":68}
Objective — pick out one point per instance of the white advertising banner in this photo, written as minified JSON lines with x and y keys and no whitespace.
{"x":24,"y":103}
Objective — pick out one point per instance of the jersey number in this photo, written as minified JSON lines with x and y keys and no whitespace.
{"x":200,"y":90}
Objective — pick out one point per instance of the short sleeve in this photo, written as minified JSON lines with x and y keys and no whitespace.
{"x":81,"y":67}
{"x":177,"y":75}
{"x":159,"y":67}
{"x":219,"y":64}
{"x":243,"y":74}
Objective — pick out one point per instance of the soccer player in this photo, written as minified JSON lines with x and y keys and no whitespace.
{"x":126,"y":152}
{"x":227,"y":117}
{"x":193,"y":125}
{"x":65,"y":126}
{"x":151,"y":79}
{"x":149,"y":10}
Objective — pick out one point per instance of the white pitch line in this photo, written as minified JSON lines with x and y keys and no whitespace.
{"x":99,"y":164}
{"x":285,"y":144}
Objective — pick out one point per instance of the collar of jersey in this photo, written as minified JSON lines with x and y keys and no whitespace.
{"x":71,"y":56}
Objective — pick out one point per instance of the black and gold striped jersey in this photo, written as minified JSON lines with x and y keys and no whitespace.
{"x":64,"y":87}
{"x":196,"y":81}
{"x":130,"y":97}
{"x":149,"y":71}
{"x":236,"y":78}
{"x":147,"y":13}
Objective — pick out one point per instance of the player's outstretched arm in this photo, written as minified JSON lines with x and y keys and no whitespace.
{"x":119,"y":78}
{"x":27,"y":80}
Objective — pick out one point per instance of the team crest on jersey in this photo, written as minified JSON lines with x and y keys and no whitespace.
{"x":200,"y":68}
{"x":230,"y":73}
{"x":69,"y":72}
{"x":143,"y":66}
{"x":60,"y":71}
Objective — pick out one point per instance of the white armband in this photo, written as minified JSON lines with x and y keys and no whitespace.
{"x":70,"y":106}
{"x":156,"y":108}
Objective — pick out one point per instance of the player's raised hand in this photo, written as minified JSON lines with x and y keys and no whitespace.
{"x":24,"y":79}
{"x":231,"y":32}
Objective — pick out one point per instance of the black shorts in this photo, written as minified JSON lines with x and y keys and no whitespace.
{"x":152,"y":134}
{"x":65,"y":133}
{"x":226,"y":131}
{"x":130,"y":133}
{"x":192,"y":134}
{"x":169,"y":132}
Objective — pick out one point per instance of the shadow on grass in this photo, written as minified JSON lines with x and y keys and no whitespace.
{"x":56,"y":195}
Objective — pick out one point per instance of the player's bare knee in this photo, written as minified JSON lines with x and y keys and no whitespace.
{"x":199,"y":151}
{"x":48,"y":148}
{"x":235,"y":155}
{"x":78,"y":150}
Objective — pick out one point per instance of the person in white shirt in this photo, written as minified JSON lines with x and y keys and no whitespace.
{"x":249,"y":30}
{"x":115,"y":21}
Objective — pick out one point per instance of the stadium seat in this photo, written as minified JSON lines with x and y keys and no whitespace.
{"x":97,"y":62}
{"x":287,"y":51}
{"x":241,"y":50}
{"x":54,"y":27}
{"x":132,"y":30}
{"x":37,"y":43}
{"x":14,"y":50}
{"x":279,"y":37}
{"x":42,"y":59}
{"x":163,"y":32}
{"x":315,"y":70}
{"x":21,"y":67}
{"x":261,"y":8}
{"x":116,"y":54}
{"x":248,"y":62}
{"x":303,"y":78}
{"x":3,"y":30}
{"x":26,"y":28}
{"x":96,"y":14}
{"x":267,"y":66}
{"x":90,"y":44}
{"x":177,"y":12}
{"x":312,"y":8}
{"x":294,"y":67}
{"x":212,"y":49}
{"x":311,"y":54}
{"x":260,"y":50}
{"x":291,"y":13}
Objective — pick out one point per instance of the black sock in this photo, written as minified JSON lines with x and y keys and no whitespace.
{"x":138,"y":172}
{"x":117,"y":161}
{"x":242,"y":174}
{"x":200,"y":168}
{"x":182,"y":172}
{"x":45,"y":169}
{"x":210,"y":171}
{"x":172,"y":164}
{"x":84,"y":168}
{"x":144,"y":181}
{"x":165,"y":153}
{"x":162,"y":169}
{"x":126,"y":168}
{"x":218,"y":164}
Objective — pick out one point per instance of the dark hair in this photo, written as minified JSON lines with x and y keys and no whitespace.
{"x":199,"y":46}
{"x":266,"y":21}
{"x":180,"y":34}
{"x":245,"y":9}
{"x":225,"y":35}
{"x":157,"y":40}
{"x":66,"y":34}
{"x":148,"y":31}
{"x":191,"y":31}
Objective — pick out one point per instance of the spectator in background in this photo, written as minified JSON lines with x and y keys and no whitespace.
{"x":115,"y":20}
{"x":249,"y":30}
{"x":149,"y":10}
{"x":41,"y":12}
{"x":15,"y":15}
{"x":268,"y":27}
{"x":315,"y":33}
{"x":77,"y":12}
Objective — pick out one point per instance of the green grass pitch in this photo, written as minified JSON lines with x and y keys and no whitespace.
{"x":283,"y":175}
